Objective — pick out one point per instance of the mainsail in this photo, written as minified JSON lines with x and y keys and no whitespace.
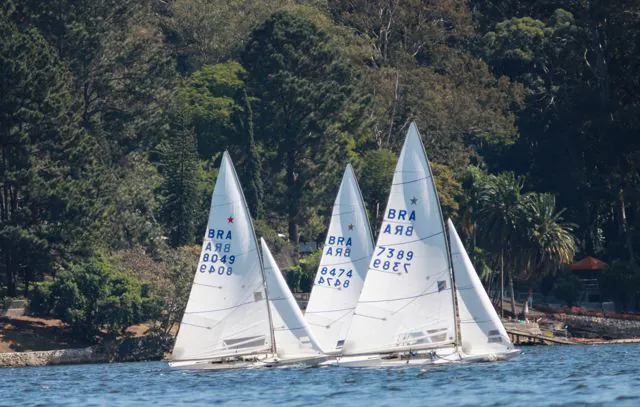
{"x":343,"y":267}
{"x":481,"y":330}
{"x":227,"y":312}
{"x":293,"y":337}
{"x":407,"y":302}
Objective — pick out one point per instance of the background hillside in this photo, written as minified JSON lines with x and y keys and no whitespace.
{"x":114,"y":116}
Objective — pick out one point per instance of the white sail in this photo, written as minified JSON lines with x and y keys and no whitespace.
{"x":481,"y":330}
{"x":227,"y":312}
{"x":292,"y":335}
{"x":407,"y":300}
{"x":343,"y":267}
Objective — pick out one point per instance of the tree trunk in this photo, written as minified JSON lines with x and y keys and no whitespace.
{"x":513,"y":295}
{"x":10,"y":280}
{"x":293,"y":205}
{"x":625,"y":229}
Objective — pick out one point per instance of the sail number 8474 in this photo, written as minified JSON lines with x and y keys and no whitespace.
{"x":335,"y":277}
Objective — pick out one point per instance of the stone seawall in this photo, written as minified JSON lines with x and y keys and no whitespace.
{"x":52,"y":357}
{"x":598,"y":327}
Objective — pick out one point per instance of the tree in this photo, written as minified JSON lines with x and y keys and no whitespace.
{"x":499,"y":214}
{"x":122,"y":75}
{"x":181,"y":182}
{"x":546,"y":242}
{"x":41,"y":160}
{"x":301,"y":86}
{"x":93,"y":296}
{"x":221,"y":112}
{"x":375,"y":181}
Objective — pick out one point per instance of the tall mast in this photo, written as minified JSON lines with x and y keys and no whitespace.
{"x":264,"y":279}
{"x":454,"y":297}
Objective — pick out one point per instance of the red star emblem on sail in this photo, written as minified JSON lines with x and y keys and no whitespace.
{"x":230,"y":219}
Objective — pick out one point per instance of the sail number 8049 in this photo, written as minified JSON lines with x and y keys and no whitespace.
{"x":215,"y":258}
{"x":335,"y":277}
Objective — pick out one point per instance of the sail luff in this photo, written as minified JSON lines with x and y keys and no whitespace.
{"x":454,"y":298}
{"x":255,"y":240}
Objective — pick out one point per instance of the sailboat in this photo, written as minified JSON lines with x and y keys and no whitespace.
{"x":227,"y":320}
{"x":406,"y":313}
{"x":295,"y":343}
{"x":483,"y":335}
{"x":342,"y":269}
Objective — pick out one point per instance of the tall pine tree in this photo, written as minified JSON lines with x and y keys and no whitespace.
{"x":302,"y":85}
{"x":181,"y":183}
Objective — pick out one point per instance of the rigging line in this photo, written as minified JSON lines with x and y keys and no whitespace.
{"x":472,"y":321}
{"x":411,"y":241}
{"x":413,"y":297}
{"x":289,"y":329}
{"x":343,"y":213}
{"x":333,"y":310}
{"x":233,"y":307}
{"x":332,"y":321}
{"x":412,"y":181}
{"x":221,"y":309}
{"x":207,"y":285}
{"x":232,"y":202}
{"x":345,"y":262}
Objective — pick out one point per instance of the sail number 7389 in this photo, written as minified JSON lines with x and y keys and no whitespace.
{"x":385,"y":260}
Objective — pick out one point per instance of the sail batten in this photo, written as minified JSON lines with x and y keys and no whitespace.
{"x":227,"y":312}
{"x":343,"y":266}
{"x":407,"y":299}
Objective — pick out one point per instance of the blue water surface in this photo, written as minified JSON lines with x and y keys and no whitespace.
{"x":552,"y":375}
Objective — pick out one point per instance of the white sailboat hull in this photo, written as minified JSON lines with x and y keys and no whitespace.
{"x":248,"y":363}
{"x":424,"y":358}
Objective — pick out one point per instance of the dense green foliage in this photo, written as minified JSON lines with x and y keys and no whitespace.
{"x":93,"y":296}
{"x":114,"y":116}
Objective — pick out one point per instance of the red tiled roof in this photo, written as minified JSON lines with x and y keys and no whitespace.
{"x":588,"y":263}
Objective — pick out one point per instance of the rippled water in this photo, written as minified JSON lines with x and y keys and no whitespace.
{"x":554,"y":375}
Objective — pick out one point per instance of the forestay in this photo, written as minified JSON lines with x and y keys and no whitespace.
{"x":343,"y":267}
{"x":293,"y":337}
{"x":407,"y":299}
{"x":480,"y":327}
{"x":227,"y":311}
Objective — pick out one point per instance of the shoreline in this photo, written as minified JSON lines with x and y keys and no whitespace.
{"x":93,"y":355}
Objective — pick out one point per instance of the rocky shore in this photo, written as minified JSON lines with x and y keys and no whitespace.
{"x":53,"y":357}
{"x":600,"y":327}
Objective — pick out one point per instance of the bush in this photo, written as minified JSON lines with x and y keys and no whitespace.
{"x":300,"y":277}
{"x":91,"y":297}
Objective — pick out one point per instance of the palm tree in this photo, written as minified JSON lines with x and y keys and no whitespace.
{"x":498,"y":218}
{"x":546,"y":241}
